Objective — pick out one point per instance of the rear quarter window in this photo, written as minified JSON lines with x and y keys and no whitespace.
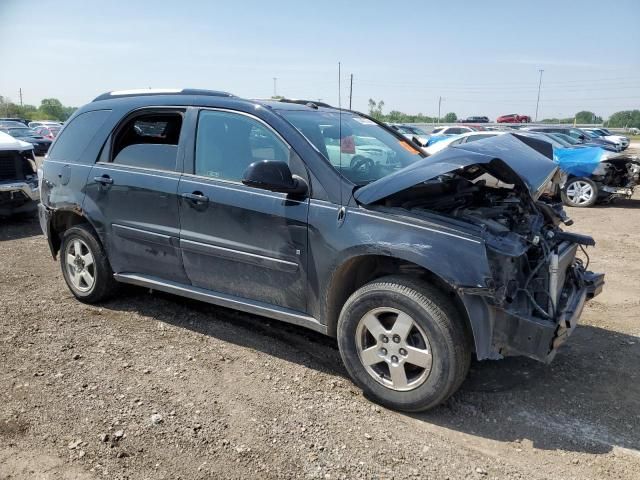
{"x":76,"y":136}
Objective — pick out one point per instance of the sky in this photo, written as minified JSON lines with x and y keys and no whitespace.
{"x":481,"y":57}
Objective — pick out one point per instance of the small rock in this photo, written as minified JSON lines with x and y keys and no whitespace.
{"x":74,"y":444}
{"x":122,"y":455}
{"x":77,"y":356}
{"x":481,"y":471}
{"x":118,"y":434}
{"x":81,"y":453}
{"x":156,"y":418}
{"x":367,"y":436}
{"x":104,"y":437}
{"x":146,"y":371}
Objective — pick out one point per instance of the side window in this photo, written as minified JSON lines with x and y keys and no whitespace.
{"x":458,"y":141}
{"x":149,"y":141}
{"x":227,"y":143}
{"x":75,"y":136}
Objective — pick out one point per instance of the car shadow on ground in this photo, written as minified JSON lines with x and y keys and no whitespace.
{"x":587,"y":400}
{"x":19,"y":226}
{"x":620,"y":203}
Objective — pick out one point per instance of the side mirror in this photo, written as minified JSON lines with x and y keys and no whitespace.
{"x":275,"y":176}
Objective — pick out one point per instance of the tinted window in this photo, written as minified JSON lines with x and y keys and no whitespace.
{"x":149,"y":141}
{"x":227,"y":143}
{"x":76,"y":135}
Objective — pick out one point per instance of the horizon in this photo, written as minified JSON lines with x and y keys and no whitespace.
{"x":475,"y":68}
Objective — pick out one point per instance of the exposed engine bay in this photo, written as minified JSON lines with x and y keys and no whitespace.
{"x":617,"y":177}
{"x":534,"y":265}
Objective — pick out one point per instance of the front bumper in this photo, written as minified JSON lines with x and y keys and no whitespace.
{"x":540,"y":339}
{"x":18,"y":197}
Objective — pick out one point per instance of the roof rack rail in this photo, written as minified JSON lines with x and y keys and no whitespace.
{"x":160,"y":91}
{"x":310,"y":103}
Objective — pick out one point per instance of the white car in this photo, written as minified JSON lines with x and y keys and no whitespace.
{"x":459,"y":139}
{"x":621,"y":141}
{"x":451,"y":130}
{"x":44,"y":123}
{"x":19,"y":192}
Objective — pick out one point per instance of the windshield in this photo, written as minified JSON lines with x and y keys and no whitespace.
{"x":559,"y":139}
{"x":21,"y":132}
{"x":360,"y":149}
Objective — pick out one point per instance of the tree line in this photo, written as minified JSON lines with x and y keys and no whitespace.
{"x":622,"y":119}
{"x":49,"y":109}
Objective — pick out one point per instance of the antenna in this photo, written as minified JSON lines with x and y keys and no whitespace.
{"x":340,"y":127}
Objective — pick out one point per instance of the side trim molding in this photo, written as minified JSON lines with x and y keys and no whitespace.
{"x":223,"y":300}
{"x":237,"y":255}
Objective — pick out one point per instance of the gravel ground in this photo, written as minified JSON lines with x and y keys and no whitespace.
{"x":155,"y":386}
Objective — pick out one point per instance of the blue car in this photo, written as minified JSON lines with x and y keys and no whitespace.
{"x":594,"y":173}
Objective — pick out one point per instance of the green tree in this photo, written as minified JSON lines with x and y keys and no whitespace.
{"x":625,"y":119}
{"x":375,"y":109}
{"x":586,"y":116}
{"x":52,"y":107}
{"x":450,"y":117}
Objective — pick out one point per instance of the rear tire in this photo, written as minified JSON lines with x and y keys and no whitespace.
{"x":85,"y":265}
{"x":404,"y":343}
{"x":580,"y":192}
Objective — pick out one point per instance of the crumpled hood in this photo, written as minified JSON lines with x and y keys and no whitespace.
{"x":511,"y":158}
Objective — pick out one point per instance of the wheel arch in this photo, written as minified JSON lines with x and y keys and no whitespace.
{"x":361,"y":269}
{"x":62,"y":220}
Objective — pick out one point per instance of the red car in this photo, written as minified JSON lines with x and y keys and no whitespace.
{"x":513,"y":118}
{"x":49,"y":132}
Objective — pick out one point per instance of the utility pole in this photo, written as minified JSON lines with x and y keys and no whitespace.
{"x":439,"y":105}
{"x":275,"y":91}
{"x":350,"y":91}
{"x":20,"y":91}
{"x":538,"y":101}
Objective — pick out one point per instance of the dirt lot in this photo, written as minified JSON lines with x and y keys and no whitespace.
{"x":154,"y":386}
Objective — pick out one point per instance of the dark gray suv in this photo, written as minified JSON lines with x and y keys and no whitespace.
{"x":323,"y":218}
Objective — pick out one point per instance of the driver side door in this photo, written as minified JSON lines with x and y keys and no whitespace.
{"x":238,"y":240}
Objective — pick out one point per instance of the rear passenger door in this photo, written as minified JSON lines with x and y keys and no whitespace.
{"x":235,"y":239}
{"x":132,"y":194}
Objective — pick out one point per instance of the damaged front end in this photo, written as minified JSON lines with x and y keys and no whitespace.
{"x":538,"y":286}
{"x":617,"y":177}
{"x":19,"y":192}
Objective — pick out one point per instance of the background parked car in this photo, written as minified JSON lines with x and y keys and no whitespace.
{"x":409,"y":131}
{"x":49,"y":132}
{"x":579,"y":135}
{"x":460,"y":139}
{"x":441,"y":133}
{"x":14,"y":119}
{"x":474,"y":120}
{"x":40,"y":144}
{"x":18,"y":178}
{"x":514,"y":118}
{"x":620,"y":140}
{"x":44,"y":123}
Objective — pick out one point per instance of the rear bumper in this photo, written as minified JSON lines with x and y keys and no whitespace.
{"x":539,"y":339}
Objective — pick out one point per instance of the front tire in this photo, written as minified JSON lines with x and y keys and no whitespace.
{"x":85,"y":266}
{"x":404,"y":343}
{"x":580,"y":192}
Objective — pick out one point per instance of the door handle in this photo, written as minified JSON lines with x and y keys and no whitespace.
{"x":104,"y":180}
{"x":195,"y":197}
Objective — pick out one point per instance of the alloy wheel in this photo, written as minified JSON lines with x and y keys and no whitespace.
{"x":580,"y":192}
{"x":393,"y":348}
{"x":80,"y":265}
